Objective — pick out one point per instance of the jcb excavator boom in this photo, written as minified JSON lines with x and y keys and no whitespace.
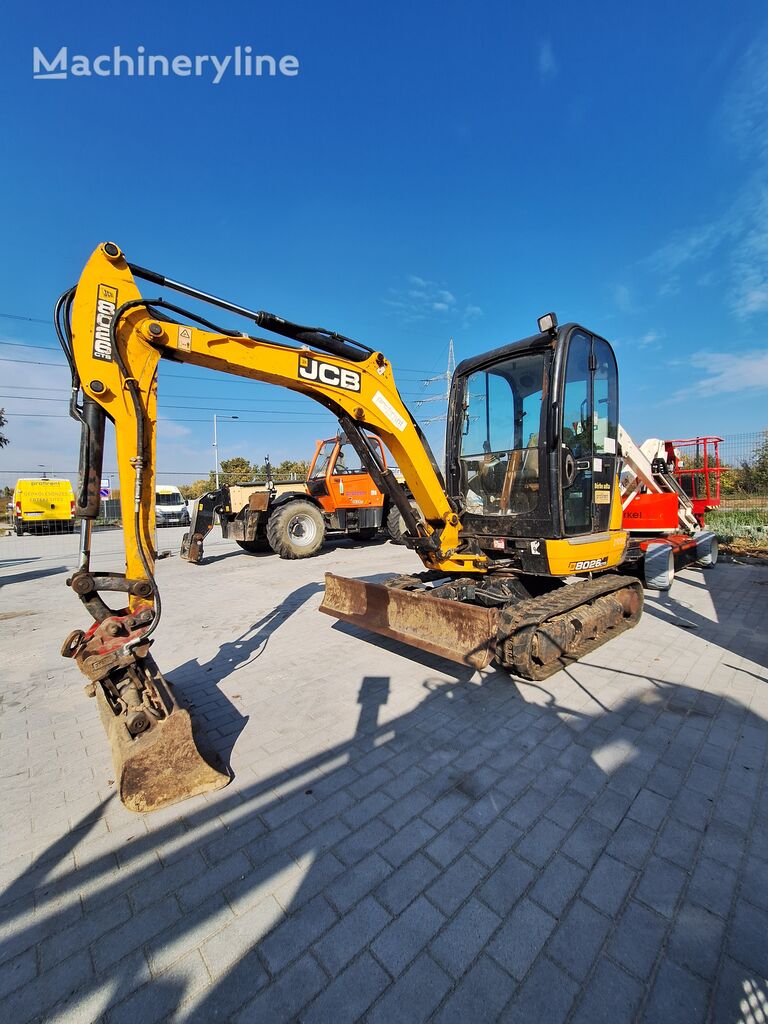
{"x":528,"y":502}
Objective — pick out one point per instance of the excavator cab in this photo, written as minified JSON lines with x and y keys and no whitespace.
{"x":532,"y":444}
{"x":531,"y":463}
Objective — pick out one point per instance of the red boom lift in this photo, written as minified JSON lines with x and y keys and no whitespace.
{"x":667,"y":487}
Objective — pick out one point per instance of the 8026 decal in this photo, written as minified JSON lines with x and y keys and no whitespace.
{"x":588,"y":563}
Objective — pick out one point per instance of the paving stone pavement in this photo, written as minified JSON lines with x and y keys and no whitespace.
{"x":403,"y":840}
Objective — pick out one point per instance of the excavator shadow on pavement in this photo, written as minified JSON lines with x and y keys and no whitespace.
{"x":258,"y":875}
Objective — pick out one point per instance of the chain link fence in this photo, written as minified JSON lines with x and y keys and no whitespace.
{"x":741,"y":521}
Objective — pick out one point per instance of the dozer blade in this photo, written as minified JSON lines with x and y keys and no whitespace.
{"x":460,"y":632}
{"x":161,"y":765}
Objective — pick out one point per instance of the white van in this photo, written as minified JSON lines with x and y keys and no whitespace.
{"x":170,"y":507}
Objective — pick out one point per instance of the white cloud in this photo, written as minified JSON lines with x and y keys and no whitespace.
{"x":423,"y":299}
{"x":738,"y":235}
{"x":547,"y":64}
{"x":650,"y":338}
{"x":622,"y":297}
{"x":727,"y":373}
{"x":742,"y":116}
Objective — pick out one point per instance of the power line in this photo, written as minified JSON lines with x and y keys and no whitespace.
{"x":31,"y":319}
{"x":161,"y":419}
{"x":19,"y":344}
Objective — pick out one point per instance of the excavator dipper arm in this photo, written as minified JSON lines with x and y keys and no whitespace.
{"x":114,"y":339}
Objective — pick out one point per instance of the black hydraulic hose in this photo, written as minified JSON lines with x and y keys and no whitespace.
{"x":193,"y":316}
{"x":319,"y":337}
{"x":133,"y":389}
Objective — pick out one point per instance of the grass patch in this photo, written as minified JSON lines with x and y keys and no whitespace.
{"x":745,"y":530}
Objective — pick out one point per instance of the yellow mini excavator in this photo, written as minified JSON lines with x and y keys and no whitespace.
{"x":515,"y":541}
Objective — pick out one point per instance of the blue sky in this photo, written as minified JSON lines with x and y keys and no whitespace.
{"x":435,"y":170}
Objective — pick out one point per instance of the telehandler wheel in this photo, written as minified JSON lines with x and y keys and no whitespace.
{"x":254,"y":547}
{"x":658,"y":567}
{"x":367,"y":534}
{"x":296,"y":530}
{"x":396,"y":525}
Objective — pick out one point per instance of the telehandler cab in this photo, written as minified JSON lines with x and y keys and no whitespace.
{"x":338,"y":496}
{"x":516,"y":542}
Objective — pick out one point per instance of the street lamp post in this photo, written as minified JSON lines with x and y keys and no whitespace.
{"x":216,"y":441}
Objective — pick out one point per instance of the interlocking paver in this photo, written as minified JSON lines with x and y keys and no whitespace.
{"x":608,"y":884}
{"x":460,"y":851}
{"x":462,"y":938}
{"x":291,"y":938}
{"x":416,"y":994}
{"x":351,"y":934}
{"x":507,"y":883}
{"x":350,"y":993}
{"x":456,"y":883}
{"x":637,"y":940}
{"x":406,"y":883}
{"x":676,"y":997}
{"x":407,"y":935}
{"x":696,"y":940}
{"x":452,"y":841}
{"x":712,"y":886}
{"x":558,"y":884}
{"x":547,"y":995}
{"x":586,"y":842}
{"x":541,"y":842}
{"x":480,"y":996}
{"x":282,"y":1000}
{"x":521,"y":938}
{"x":495,"y":842}
{"x":576,"y":942}
{"x":748,"y":941}
{"x":357,"y":881}
{"x":631,"y":843}
{"x":610,"y":996}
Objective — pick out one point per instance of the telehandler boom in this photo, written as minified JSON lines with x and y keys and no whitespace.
{"x":531,"y":499}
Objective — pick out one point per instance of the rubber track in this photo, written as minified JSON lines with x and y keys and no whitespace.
{"x":519,"y":623}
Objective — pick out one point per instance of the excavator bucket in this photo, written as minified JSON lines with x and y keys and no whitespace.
{"x":161,"y":765}
{"x":460,"y":632}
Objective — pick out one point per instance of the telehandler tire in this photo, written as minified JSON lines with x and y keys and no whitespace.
{"x":296,"y":530}
{"x":366,"y":535}
{"x":254,"y":547}
{"x":395,"y":524}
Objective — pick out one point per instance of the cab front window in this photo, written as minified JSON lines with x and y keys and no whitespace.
{"x":322,"y":461}
{"x":500,"y":439}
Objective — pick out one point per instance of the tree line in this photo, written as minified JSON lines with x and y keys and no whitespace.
{"x":239,"y":470}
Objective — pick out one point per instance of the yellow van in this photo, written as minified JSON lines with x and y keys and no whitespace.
{"x":44,"y":506}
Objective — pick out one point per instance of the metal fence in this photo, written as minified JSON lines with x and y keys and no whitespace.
{"x":49,"y":545}
{"x":744,"y":475}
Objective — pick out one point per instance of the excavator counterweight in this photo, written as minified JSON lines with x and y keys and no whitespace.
{"x":517,"y":540}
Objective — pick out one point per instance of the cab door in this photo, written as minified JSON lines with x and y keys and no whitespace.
{"x":349,"y":484}
{"x":588,"y":434}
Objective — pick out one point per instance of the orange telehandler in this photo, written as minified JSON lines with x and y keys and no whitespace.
{"x":530,"y":500}
{"x":338,"y":496}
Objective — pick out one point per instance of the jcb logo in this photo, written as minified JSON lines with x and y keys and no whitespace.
{"x":327,"y":373}
{"x":590,"y":563}
{"x":106,"y":303}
